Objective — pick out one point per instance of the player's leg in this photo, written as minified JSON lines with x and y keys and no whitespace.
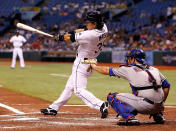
{"x":20,"y":54}
{"x":87,"y":97}
{"x":139,"y":103}
{"x":135,"y":102}
{"x":14,"y":58}
{"x":64,"y":97}
{"x":158,"y":117}
{"x":127,"y":112}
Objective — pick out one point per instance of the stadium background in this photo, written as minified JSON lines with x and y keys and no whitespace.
{"x":146,"y":24}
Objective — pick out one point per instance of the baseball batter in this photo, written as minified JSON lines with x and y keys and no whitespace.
{"x":90,"y":45}
{"x":17,"y":41}
{"x":150,"y":89}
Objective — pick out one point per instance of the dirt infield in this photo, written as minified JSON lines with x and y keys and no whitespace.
{"x":25,"y":115}
{"x":21,"y":112}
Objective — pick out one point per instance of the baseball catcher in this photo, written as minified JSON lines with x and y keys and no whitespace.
{"x":150,"y":89}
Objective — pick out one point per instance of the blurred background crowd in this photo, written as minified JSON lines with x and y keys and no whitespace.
{"x":146,"y":24}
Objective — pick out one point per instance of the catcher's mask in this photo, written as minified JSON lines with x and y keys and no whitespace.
{"x":137,"y":54}
{"x":94,"y":16}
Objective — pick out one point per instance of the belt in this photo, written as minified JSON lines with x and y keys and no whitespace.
{"x":149,"y":101}
{"x":146,"y":87}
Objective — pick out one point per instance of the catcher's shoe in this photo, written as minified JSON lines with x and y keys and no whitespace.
{"x":104,"y":109}
{"x":158,"y":118}
{"x":48,"y":111}
{"x":130,"y":121}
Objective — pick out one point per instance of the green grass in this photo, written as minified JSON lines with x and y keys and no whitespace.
{"x":35,"y":80}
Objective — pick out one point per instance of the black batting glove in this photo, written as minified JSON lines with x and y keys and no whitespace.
{"x":59,"y":37}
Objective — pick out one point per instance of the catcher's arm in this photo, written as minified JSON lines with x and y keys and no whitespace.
{"x":89,"y":61}
{"x":166,"y":92}
{"x":101,"y":69}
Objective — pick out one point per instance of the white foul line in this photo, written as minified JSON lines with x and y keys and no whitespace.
{"x":11,"y":109}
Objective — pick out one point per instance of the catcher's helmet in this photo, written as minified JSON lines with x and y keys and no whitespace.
{"x":94,"y":16}
{"x":138,"y":54}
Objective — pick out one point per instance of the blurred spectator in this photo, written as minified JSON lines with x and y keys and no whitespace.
{"x":145,"y":29}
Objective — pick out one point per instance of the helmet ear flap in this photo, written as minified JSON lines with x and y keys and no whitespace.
{"x":127,"y":56}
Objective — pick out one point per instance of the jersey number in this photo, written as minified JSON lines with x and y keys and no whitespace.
{"x":100,"y":45}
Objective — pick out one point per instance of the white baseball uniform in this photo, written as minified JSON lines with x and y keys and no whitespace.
{"x":90,"y":45}
{"x":17,"y":43}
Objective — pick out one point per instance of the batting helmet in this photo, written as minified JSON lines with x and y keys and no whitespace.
{"x":94,"y":16}
{"x":137,"y":54}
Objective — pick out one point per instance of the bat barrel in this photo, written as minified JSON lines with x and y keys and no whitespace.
{"x":29,"y":28}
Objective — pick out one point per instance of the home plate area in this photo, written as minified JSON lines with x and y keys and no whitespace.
{"x":23,"y":113}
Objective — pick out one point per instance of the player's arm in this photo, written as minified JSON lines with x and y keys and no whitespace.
{"x":101,"y":69}
{"x":11,"y":40}
{"x":166,"y":92}
{"x":166,"y":88}
{"x":68,"y":37}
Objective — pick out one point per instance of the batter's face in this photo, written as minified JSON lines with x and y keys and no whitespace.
{"x":91,"y":25}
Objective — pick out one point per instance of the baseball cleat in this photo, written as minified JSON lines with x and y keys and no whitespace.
{"x":104,"y":109}
{"x":131,"y":121}
{"x":48,"y":111}
{"x":158,"y":118}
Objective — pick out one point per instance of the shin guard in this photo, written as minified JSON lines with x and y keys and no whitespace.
{"x":123,"y":109}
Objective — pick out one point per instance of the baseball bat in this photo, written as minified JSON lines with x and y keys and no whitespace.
{"x":29,"y":28}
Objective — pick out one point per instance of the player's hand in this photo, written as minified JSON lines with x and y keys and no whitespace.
{"x":93,"y":66}
{"x":56,"y":37}
{"x":59,"y":37}
{"x":67,"y":37}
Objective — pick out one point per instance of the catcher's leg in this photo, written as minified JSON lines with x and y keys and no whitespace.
{"x":158,"y":118}
{"x":127,"y":112}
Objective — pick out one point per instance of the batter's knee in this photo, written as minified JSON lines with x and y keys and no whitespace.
{"x":78,"y":91}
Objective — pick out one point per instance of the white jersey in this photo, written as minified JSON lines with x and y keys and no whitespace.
{"x":17,"y":41}
{"x":91,"y":42}
{"x":139,"y":78}
{"x":90,"y":45}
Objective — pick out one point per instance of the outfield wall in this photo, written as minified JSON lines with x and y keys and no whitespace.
{"x":152,"y":57}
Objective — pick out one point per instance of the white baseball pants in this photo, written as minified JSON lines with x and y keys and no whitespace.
{"x":19,"y":52}
{"x":77,"y":83}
